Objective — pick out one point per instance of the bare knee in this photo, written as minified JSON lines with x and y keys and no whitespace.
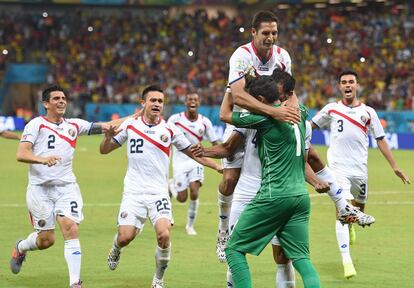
{"x":279,"y":256}
{"x":45,"y":239}
{"x":125,"y":237}
{"x":163,"y":238}
{"x":182,"y":196}
{"x":229,"y":181}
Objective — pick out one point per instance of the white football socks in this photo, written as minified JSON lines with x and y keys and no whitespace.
{"x":162,"y":257}
{"x":192,"y":212}
{"x":73,"y":256}
{"x":342,"y":236}
{"x":335,"y":191}
{"x":28,"y":244}
{"x":224,"y":204}
{"x":285,"y":276}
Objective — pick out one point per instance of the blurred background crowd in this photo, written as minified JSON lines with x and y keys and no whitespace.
{"x":109,"y":55}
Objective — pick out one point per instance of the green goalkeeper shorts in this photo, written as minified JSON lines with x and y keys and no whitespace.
{"x":286,"y":217}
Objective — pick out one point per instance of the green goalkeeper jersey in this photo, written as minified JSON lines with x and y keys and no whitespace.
{"x":281,"y":152}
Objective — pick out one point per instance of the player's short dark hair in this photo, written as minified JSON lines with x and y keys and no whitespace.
{"x":263,"y":16}
{"x":191,"y":93}
{"x":266,"y":87}
{"x":151,"y":88}
{"x":287,"y":81}
{"x":50,"y":89}
{"x":347,"y":72}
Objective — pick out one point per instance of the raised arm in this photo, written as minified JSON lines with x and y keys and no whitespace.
{"x":25,"y":154}
{"x":386,"y":151}
{"x":243,"y":99}
{"x":108,"y":144}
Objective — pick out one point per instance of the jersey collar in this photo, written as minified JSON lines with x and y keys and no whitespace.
{"x":263,"y":60}
{"x":357,"y":105}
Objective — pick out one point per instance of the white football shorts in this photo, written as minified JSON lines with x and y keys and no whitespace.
{"x":45,"y":202}
{"x":136,"y":208}
{"x":184,"y":175}
{"x":236,"y":160}
{"x":354,"y":188}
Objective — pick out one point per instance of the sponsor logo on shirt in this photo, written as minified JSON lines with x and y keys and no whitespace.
{"x":244,"y":114}
{"x":263,"y":68}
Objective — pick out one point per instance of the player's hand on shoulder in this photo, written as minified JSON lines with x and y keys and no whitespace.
{"x":322,"y":187}
{"x":402,"y":175}
{"x":51,"y":160}
{"x":286,"y":113}
{"x":197,"y":150}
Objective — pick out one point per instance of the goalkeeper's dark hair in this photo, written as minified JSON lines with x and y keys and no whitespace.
{"x":264,"y":86}
{"x":285,"y":79}
{"x":50,"y":89}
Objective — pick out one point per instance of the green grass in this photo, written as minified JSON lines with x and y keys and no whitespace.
{"x":383,"y":254}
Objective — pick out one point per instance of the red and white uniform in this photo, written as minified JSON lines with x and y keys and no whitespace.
{"x":53,"y":190}
{"x":348,"y":148}
{"x":185,"y":169}
{"x":146,"y":181}
{"x":242,"y":59}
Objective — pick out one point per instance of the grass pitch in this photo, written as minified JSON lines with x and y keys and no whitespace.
{"x":383,"y":253}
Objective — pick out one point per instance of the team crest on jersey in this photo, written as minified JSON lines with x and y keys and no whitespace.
{"x":364,"y":118}
{"x":179,"y":184}
{"x":72,"y":133}
{"x":200,"y":131}
{"x":123,"y":214}
{"x":41,"y":223}
{"x":164,"y":138}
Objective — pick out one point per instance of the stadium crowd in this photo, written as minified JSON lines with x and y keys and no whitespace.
{"x":109,"y":57}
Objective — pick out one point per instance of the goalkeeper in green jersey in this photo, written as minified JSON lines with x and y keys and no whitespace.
{"x":282,"y":205}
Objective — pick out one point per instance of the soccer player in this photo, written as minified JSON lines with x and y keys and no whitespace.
{"x":350,"y":121}
{"x":250,"y":177}
{"x":282,"y":205}
{"x":187,"y":172}
{"x":7,"y":134}
{"x":145,"y":194}
{"x":48,"y":144}
{"x":264,"y":56}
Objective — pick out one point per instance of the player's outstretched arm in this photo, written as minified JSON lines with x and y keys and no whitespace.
{"x":204,"y":161}
{"x":284,"y":113}
{"x":219,"y":151}
{"x":386,"y":151}
{"x":25,"y":154}
{"x":10,"y":135}
{"x":108,"y":144}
